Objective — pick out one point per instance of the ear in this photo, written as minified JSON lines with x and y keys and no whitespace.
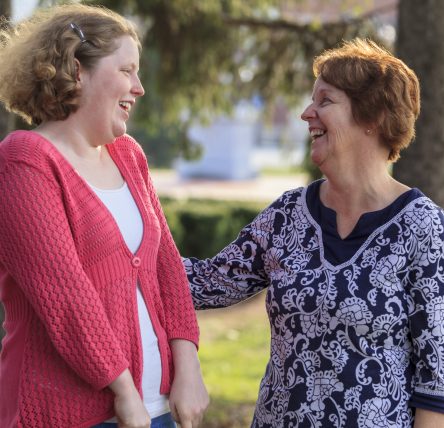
{"x":372,"y":127}
{"x":78,"y":67}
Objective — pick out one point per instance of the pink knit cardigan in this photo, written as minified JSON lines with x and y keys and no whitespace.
{"x":68,"y":284}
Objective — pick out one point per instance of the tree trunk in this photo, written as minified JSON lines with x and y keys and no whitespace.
{"x":5,"y":8}
{"x":420,"y":44}
{"x":5,"y":11}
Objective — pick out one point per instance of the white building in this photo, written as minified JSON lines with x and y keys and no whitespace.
{"x":22,"y":9}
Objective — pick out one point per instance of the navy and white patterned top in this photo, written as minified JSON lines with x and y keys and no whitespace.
{"x":354,"y":343}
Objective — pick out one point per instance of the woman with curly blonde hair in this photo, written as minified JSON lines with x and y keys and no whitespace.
{"x":100,"y":327}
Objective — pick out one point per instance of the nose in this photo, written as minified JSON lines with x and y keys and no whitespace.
{"x":309,"y":112}
{"x":137,"y":88}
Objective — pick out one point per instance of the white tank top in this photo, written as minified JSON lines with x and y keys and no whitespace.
{"x":123,"y":208}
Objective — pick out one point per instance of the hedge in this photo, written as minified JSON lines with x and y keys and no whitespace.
{"x":201,"y":228}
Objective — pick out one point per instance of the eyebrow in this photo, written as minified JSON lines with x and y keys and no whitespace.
{"x":132,"y":65}
{"x":322,"y":91}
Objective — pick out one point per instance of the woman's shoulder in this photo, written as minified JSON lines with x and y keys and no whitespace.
{"x":290,"y":197}
{"x":127,"y":143}
{"x":22,"y":140}
{"x":422,"y":203}
{"x":423,"y":214}
{"x":289,"y":202}
{"x":128,"y":149}
{"x":28,"y":147}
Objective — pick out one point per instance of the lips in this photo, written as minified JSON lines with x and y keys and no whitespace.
{"x":315,"y":133}
{"x":125,"y":105}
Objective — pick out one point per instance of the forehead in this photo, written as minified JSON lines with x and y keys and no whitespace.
{"x":320,"y":87}
{"x":127,"y":51}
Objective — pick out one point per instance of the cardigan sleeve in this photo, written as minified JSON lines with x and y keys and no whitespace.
{"x":38,"y":251}
{"x":180,"y":318}
{"x":426,"y":317}
{"x":238,"y":271}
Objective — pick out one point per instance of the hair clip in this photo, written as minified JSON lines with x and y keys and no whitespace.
{"x":79,"y":32}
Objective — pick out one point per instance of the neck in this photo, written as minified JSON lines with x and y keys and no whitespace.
{"x":364,"y":188}
{"x":91,"y":160}
{"x":72,"y":139}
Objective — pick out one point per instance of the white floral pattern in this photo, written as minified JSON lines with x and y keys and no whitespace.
{"x":350,"y":344}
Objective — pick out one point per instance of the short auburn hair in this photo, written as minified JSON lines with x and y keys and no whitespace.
{"x":37,"y":57}
{"x":383,"y":90}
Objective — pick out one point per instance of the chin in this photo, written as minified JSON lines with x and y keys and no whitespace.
{"x":118,"y":132}
{"x":316,"y":159}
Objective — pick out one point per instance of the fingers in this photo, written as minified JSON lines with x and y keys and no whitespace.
{"x":134,"y":424}
{"x":174,"y":412}
{"x":128,"y":405}
{"x":188,"y":419}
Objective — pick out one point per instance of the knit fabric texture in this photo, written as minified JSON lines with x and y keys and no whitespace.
{"x":68,"y":284}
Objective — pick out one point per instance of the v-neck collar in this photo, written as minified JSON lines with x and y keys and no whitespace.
{"x":365,"y":224}
{"x":127,"y":177}
{"x":362,"y":247}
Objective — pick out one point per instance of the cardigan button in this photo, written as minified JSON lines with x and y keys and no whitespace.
{"x":136,"y":261}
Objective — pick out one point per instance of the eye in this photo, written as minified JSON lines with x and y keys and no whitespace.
{"x":126,"y":70}
{"x":325,"y":100}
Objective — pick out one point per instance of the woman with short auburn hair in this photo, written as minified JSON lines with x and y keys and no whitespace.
{"x":352,"y":263}
{"x":383,"y":91}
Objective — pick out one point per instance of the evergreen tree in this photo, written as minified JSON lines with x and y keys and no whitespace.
{"x":200,"y":57}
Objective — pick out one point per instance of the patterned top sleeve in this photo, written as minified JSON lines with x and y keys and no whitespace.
{"x":239,"y":271}
{"x":426,"y":317}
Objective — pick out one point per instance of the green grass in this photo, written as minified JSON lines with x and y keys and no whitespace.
{"x":282,"y":171}
{"x":234,"y":350}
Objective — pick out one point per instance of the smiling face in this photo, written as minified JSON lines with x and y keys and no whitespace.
{"x":334,"y":132}
{"x":109,"y":91}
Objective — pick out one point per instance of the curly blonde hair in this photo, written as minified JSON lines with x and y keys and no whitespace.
{"x":37,"y":58}
{"x":383,"y":90}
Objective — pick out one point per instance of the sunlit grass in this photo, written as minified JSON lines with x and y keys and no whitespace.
{"x":271,"y":171}
{"x":234,"y":350}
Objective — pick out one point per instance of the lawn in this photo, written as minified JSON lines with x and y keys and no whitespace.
{"x":234,"y":350}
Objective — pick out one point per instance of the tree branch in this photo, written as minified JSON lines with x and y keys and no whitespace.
{"x":283,"y":24}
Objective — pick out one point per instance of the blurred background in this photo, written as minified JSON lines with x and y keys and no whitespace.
{"x":226,"y":81}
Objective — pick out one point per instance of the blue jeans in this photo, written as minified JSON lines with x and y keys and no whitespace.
{"x":163,"y":421}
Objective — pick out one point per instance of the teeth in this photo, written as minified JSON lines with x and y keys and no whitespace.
{"x":316,"y":133}
{"x":125,"y":105}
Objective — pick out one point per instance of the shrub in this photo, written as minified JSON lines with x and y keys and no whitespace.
{"x":201,"y":228}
